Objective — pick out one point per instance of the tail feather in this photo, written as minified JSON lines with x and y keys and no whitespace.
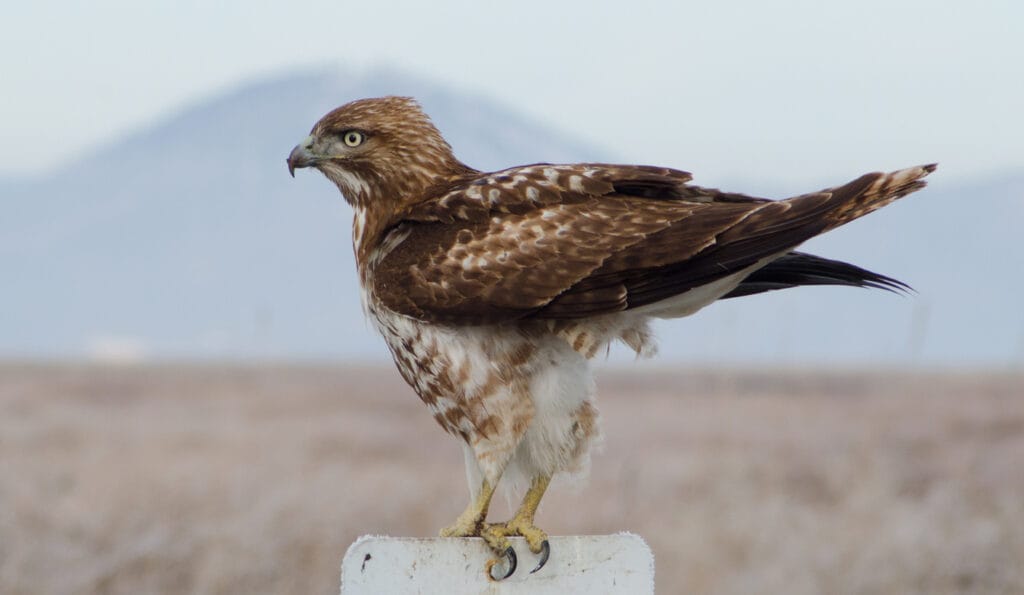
{"x":837,"y":206}
{"x":871,"y":192}
{"x":798,"y":268}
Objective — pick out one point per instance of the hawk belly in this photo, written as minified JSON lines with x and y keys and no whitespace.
{"x":519,"y":395}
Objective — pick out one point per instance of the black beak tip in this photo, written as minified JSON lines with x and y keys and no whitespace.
{"x":291,"y":167}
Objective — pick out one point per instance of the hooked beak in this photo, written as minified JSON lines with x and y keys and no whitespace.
{"x":301,"y":156}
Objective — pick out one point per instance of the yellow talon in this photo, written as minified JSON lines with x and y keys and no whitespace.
{"x":496,"y":534}
{"x":471,"y":523}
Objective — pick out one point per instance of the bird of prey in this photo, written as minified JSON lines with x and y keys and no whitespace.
{"x":494,"y":290}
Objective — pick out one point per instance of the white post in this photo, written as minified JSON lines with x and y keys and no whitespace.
{"x":591,"y":564}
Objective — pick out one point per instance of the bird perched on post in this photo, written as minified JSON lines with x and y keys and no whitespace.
{"x":494,"y":290}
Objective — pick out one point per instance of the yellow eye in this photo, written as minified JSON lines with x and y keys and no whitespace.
{"x":352,"y":138}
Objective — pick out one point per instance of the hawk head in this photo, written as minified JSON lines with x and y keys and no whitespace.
{"x":377,"y":149}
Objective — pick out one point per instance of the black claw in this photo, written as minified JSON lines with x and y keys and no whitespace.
{"x":513,"y":562}
{"x":545,"y":552}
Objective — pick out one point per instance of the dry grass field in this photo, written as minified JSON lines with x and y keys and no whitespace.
{"x":254,"y":479}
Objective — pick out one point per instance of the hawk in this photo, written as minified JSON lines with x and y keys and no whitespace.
{"x":494,"y":290}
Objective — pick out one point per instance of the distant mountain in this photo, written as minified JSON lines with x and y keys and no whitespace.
{"x":188,"y":239}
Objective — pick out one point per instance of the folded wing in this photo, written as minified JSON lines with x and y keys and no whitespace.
{"x":555,"y":242}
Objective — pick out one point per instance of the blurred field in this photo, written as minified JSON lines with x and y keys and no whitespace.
{"x":254,"y":479}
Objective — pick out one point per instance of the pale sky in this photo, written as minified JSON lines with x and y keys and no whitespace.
{"x":788,"y":91}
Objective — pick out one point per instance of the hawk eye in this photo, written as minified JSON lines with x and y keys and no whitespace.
{"x":352,"y":138}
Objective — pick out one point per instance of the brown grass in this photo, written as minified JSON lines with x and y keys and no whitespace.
{"x":246,"y":479}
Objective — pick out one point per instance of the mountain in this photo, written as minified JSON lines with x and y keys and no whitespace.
{"x":188,"y":239}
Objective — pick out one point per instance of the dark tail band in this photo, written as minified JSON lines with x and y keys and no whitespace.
{"x":798,"y":268}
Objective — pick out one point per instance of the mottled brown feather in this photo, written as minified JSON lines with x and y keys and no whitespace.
{"x":547,"y":241}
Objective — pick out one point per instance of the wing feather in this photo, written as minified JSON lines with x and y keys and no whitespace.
{"x":547,"y":241}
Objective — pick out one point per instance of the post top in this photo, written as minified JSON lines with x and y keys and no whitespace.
{"x":621,"y":563}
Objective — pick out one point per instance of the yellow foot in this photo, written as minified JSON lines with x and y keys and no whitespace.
{"x":496,"y":535}
{"x":504,"y":565}
{"x":471,"y":524}
{"x":535,"y":538}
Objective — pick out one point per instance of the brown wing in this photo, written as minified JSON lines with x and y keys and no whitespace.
{"x":571,"y":241}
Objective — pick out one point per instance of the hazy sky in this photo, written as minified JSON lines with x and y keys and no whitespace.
{"x":791,"y":91}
